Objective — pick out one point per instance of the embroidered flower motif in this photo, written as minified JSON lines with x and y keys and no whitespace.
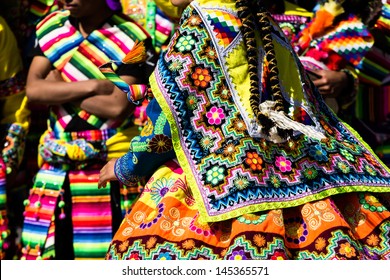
{"x":310,"y":173}
{"x":215,"y":175}
{"x":225,"y":93}
{"x":343,"y":167}
{"x":238,"y":256}
{"x":215,"y":115}
{"x":370,"y":170}
{"x":192,"y":102}
{"x":240,"y":182}
{"x":347,"y":155}
{"x":151,"y":242}
{"x":194,"y":20}
{"x":254,"y":161}
{"x":160,"y":143}
{"x":201,"y":77}
{"x":275,"y":181}
{"x":320,"y":243}
{"x":176,"y":65}
{"x":265,"y":147}
{"x":283,"y":164}
{"x":229,"y":150}
{"x":211,"y":53}
{"x":134,"y":256}
{"x":279,"y":256}
{"x":188,"y":244}
{"x":373,"y":240}
{"x":185,"y":43}
{"x":207,"y":142}
{"x":160,"y":188}
{"x":123,"y":246}
{"x":291,"y":145}
{"x":164,"y":256}
{"x":347,"y":250}
{"x":259,"y":240}
{"x":318,"y":153}
{"x":239,"y":125}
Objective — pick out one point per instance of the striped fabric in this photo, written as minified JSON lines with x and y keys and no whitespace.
{"x":152,"y":18}
{"x":374,"y":67}
{"x":383,"y":22}
{"x":164,"y":29}
{"x":135,"y":93}
{"x":79,"y":58}
{"x":91,"y":215}
{"x":38,"y":227}
{"x":40,"y":8}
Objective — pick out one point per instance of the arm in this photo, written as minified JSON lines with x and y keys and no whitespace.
{"x":114,"y":105}
{"x":147,"y":152}
{"x":55,"y":91}
{"x":98,"y":97}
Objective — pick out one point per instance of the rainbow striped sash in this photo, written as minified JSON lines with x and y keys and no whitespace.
{"x":91,"y":215}
{"x":38,"y":228}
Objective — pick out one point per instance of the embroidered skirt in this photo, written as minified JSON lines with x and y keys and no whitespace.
{"x":163,"y":224}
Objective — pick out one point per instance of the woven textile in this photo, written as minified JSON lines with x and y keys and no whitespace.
{"x":164,"y":225}
{"x":233,"y":193}
{"x":230,"y":166}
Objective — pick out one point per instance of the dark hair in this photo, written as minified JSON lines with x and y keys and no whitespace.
{"x":254,"y":14}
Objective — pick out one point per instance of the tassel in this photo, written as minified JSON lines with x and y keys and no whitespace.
{"x":137,"y":54}
{"x":322,"y":21}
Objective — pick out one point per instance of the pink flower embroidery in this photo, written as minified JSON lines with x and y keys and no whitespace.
{"x":283,"y":164}
{"x":215,"y":115}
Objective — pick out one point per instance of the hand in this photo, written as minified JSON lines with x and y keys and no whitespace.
{"x":107,"y":174}
{"x":331,"y":83}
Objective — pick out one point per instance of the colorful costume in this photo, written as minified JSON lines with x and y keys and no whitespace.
{"x":236,"y":191}
{"x":65,"y":207}
{"x":14,"y":121}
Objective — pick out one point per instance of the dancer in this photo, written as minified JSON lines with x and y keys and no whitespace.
{"x":262,"y":168}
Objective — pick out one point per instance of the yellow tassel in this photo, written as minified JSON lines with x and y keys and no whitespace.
{"x":334,"y":8}
{"x":137,"y":54}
